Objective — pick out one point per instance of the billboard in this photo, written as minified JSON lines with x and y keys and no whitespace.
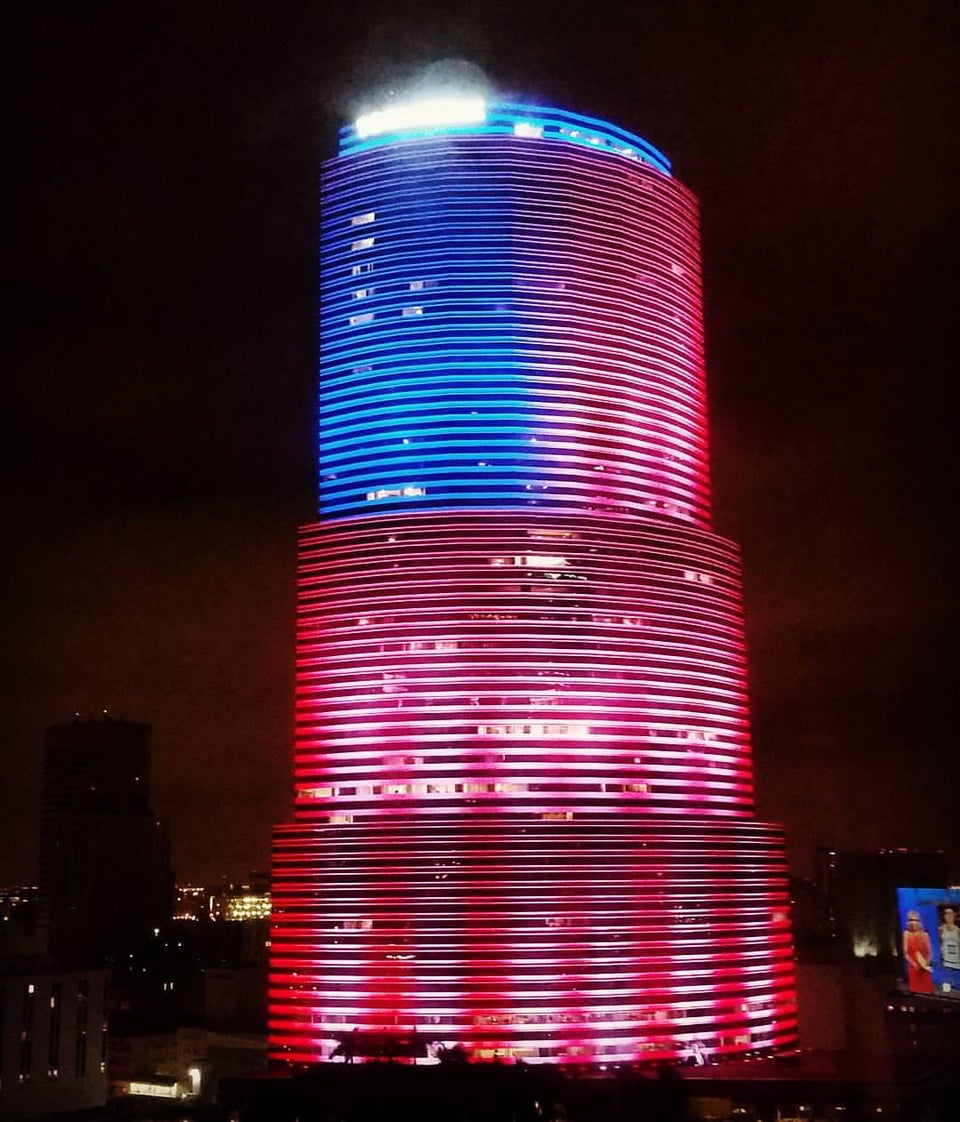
{"x":930,"y":940}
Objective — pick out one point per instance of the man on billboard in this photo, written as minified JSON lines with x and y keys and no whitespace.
{"x":949,"y":940}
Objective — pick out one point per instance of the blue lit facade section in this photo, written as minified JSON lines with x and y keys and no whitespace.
{"x":486,"y":340}
{"x":422,"y":401}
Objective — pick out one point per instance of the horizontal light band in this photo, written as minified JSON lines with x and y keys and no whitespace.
{"x":471,"y":115}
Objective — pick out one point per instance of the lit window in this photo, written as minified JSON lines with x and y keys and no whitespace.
{"x":696,"y":576}
{"x":363,"y":219}
{"x":363,"y":243}
{"x":540,"y":561}
{"x":395,"y":493}
{"x":363,"y":293}
{"x":364,"y":317}
{"x":524,"y":128}
{"x":414,"y":310}
{"x":550,"y":532}
{"x":357,"y":270}
{"x":357,"y":924}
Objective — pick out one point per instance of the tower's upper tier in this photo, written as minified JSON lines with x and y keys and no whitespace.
{"x":511,"y":316}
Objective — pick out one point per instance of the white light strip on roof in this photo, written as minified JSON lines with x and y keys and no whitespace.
{"x":436,"y":113}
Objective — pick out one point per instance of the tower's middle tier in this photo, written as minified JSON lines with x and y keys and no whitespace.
{"x":454,"y":660}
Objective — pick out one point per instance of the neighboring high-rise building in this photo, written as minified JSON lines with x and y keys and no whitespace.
{"x":104,"y":856}
{"x":524,"y":796}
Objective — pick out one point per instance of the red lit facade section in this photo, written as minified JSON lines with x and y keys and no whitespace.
{"x":523,"y":818}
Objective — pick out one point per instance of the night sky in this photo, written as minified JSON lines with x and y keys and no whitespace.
{"x":166,"y":160}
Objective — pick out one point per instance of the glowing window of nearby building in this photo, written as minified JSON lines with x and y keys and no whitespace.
{"x":362,"y":243}
{"x":363,"y":317}
{"x":251,"y":905}
{"x":363,"y":219}
{"x":413,"y":310}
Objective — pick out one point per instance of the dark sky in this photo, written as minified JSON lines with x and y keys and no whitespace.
{"x":163,"y":275}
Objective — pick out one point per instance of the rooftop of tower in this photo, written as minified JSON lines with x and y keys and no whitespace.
{"x":475,"y":116}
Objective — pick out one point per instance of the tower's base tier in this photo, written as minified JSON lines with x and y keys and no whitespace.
{"x":591,"y":940}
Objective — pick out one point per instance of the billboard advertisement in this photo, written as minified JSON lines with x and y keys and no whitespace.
{"x":930,"y":940}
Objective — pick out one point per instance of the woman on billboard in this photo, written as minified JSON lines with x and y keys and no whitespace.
{"x":916,"y":951}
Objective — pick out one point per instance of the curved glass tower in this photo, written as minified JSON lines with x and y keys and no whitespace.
{"x":523,"y":817}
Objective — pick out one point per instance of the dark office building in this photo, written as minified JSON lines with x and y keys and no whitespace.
{"x":858,"y":891}
{"x":104,"y":856}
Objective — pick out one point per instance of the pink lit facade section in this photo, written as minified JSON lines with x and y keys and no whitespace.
{"x":523,"y":818}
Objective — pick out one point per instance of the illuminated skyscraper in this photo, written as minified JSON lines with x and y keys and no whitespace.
{"x":524,"y":816}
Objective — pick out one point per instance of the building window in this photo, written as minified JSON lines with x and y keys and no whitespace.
{"x":414,"y":310}
{"x":26,"y":1060}
{"x":53,"y":1059}
{"x":363,"y":219}
{"x":696,"y":576}
{"x":363,"y":317}
{"x":363,"y":243}
{"x":83,"y":1012}
{"x":395,"y":493}
{"x":359,"y":270}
